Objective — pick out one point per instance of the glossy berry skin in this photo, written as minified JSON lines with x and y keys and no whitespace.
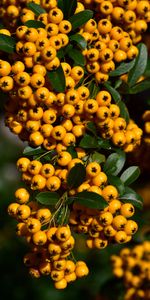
{"x":22,"y":195}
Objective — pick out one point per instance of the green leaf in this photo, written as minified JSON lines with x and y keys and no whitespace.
{"x":34,"y":24}
{"x":62,"y":217}
{"x":115,"y":94}
{"x":57,"y":80}
{"x":36,"y":8}
{"x":47,"y":157}
{"x":117,"y":182}
{"x":93,"y":89}
{"x":90,"y":199}
{"x":47,"y":198}
{"x":147,"y":70}
{"x":7,"y":43}
{"x":91,"y":127}
{"x":72,"y":151}
{"x":114,"y":163}
{"x":140,"y":87}
{"x":79,"y":39}
{"x":60,"y":53}
{"x":122,"y":69}
{"x":68,"y":7}
{"x":76,"y":176}
{"x":110,"y":164}
{"x":1,"y":26}
{"x":80,"y":18}
{"x":139,"y":66}
{"x":88,"y":142}
{"x":104,"y":144}
{"x":117,"y":98}
{"x":124,"y":111}
{"x":130,"y":196}
{"x":77,"y":57}
{"x":117,"y":84}
{"x":98,"y":157}
{"x":120,"y":161}
{"x":29,"y":151}
{"x":130,"y":175}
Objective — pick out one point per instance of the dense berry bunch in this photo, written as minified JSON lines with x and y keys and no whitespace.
{"x":49,"y":119}
{"x":133,"y":265}
{"x":107,"y":226}
{"x":133,"y":15}
{"x":42,"y":116}
{"x":50,"y":245}
{"x":107,"y":45}
{"x":146,"y":119}
{"x":59,"y":102}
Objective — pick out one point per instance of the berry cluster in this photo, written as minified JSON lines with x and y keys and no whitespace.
{"x":133,"y":15}
{"x":110,"y":225}
{"x":37,"y":113}
{"x":48,"y":119}
{"x":107,"y":45}
{"x":133,"y":265}
{"x":56,"y":119}
{"x":50,"y":247}
{"x":102,"y":226}
{"x":146,"y":119}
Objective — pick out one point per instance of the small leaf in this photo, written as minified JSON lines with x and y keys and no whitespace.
{"x":29,"y":151}
{"x":140,"y":87}
{"x":147,"y":70}
{"x":124,"y":111}
{"x":7,"y":43}
{"x":98,"y":157}
{"x":130,"y":196}
{"x":116,"y":181}
{"x":36,"y":8}
{"x":88,"y":142}
{"x":93,"y":89}
{"x":68,"y":7}
{"x":76,"y":176}
{"x":139,"y":66}
{"x":120,"y":161}
{"x":72,"y":151}
{"x":117,"y":84}
{"x":80,"y":18}
{"x":47,"y":157}
{"x":117,"y":98}
{"x":122,"y":69}
{"x":57,"y":80}
{"x":110,"y":164}
{"x":34,"y":24}
{"x":77,"y":57}
{"x":130,"y":175}
{"x":79,"y":39}
{"x":62,"y":216}
{"x":104,"y":144}
{"x":60,"y":53}
{"x":90,"y":199}
{"x":47,"y":198}
{"x":91,"y":127}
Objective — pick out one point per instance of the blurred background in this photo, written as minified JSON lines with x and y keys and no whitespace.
{"x":16,"y":284}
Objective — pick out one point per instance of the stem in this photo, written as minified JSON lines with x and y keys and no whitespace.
{"x":65,"y":214}
{"x":58,"y":206}
{"x":72,"y":255}
{"x":42,"y":155}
